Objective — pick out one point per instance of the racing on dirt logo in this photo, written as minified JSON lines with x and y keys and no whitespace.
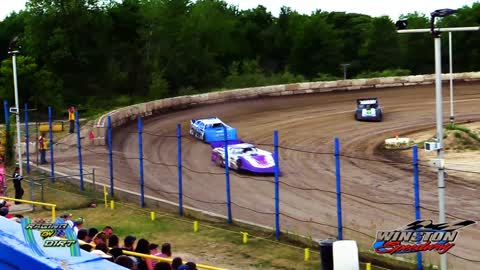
{"x":418,"y":236}
{"x":48,"y":230}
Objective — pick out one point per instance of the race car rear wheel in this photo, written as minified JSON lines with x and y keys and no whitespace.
{"x":239,"y":164}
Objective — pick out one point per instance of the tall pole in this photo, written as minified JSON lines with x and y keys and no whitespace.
{"x":345,"y":70}
{"x":439,"y":113}
{"x":452,"y":117}
{"x":17,"y":114}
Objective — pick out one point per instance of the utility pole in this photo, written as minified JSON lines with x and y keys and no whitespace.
{"x":13,"y":50}
{"x":450,"y":63}
{"x":345,"y":70}
{"x":401,"y":25}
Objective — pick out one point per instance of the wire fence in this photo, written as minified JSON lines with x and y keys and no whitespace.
{"x":322,"y":191}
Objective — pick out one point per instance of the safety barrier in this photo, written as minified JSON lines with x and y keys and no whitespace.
{"x":51,"y":205}
{"x":123,"y":115}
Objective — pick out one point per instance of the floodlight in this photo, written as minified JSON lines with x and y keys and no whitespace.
{"x":401,"y":24}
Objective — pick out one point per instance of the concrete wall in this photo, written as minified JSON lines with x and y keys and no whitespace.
{"x":123,"y":115}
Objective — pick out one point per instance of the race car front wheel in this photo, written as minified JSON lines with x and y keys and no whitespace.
{"x":220,"y":162}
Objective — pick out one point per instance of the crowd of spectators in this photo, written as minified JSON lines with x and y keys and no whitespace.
{"x":107,"y":245}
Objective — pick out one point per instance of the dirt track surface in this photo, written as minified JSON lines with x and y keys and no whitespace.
{"x":309,"y":123}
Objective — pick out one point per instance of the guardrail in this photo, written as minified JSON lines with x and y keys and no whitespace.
{"x":53,"y":206}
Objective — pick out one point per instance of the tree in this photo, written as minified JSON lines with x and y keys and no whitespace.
{"x":380,"y":50}
{"x":37,"y":86}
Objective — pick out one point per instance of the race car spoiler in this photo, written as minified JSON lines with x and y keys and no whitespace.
{"x":221,"y":144}
{"x":367,"y":101}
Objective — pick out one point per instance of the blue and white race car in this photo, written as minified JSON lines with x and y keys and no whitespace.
{"x":244,"y":157}
{"x":211,"y":130}
{"x":368,"y":110}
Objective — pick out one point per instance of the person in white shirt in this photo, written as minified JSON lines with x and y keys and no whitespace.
{"x":78,"y":224}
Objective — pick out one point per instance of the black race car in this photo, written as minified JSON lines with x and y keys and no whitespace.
{"x":368,"y":109}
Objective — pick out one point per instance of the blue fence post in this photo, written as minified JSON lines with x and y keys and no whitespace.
{"x":417,"y":200}
{"x":27,"y":148}
{"x":339,"y":190}
{"x":110,"y":153}
{"x":52,"y":161}
{"x":277,"y":191}
{"x":7,"y":115}
{"x":140,"y":158}
{"x":180,"y":184}
{"x":79,"y":146}
{"x":227,"y":175}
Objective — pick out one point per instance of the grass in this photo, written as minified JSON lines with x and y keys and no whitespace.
{"x":468,"y":131}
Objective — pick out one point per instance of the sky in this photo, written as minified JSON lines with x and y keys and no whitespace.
{"x":375,"y":8}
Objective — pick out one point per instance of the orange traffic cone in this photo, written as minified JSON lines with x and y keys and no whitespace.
{"x":91,"y":136}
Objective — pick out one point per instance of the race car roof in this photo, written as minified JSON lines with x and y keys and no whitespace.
{"x":241,"y":146}
{"x":367,"y":101}
{"x":212,"y":120}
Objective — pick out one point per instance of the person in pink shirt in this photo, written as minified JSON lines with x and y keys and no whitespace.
{"x":166,"y":252}
{"x":3,"y":181}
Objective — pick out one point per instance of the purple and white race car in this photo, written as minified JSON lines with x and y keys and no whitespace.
{"x":245,"y":156}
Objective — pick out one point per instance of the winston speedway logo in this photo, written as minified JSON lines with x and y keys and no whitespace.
{"x":418,"y":236}
{"x":48,"y":233}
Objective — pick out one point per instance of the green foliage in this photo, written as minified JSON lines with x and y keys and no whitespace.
{"x":158,"y":87}
{"x":102,"y":54}
{"x":325,"y":77}
{"x":468,"y":131}
{"x":385,"y":73}
{"x":9,"y":156}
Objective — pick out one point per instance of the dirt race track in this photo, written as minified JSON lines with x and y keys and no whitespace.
{"x":310,"y":123}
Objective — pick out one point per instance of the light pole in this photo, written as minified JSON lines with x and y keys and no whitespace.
{"x":439,"y":110}
{"x":452,"y":117}
{"x":13,"y":50}
{"x":345,"y":70}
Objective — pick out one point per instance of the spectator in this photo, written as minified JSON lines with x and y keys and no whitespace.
{"x":17,"y":178}
{"x":124,"y":261}
{"x":4,"y":203}
{"x":113,"y":241}
{"x":166,"y":250}
{"x":108,"y":231}
{"x":162,"y":266}
{"x":191,"y":266}
{"x":82,"y":236}
{"x":143,"y":248}
{"x":154,"y":252}
{"x":103,"y":247}
{"x":128,"y":242}
{"x":116,"y":252}
{"x":86,"y":247}
{"x":78,"y":224}
{"x":4,"y":212}
{"x":67,"y":219}
{"x":42,"y":148}
{"x":176,"y":263}
{"x":3,"y":181}
{"x":91,"y":233}
{"x":100,"y":253}
{"x":100,"y":238}
{"x":71,"y":118}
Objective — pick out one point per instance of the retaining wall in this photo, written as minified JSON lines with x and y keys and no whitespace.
{"x":123,"y":115}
